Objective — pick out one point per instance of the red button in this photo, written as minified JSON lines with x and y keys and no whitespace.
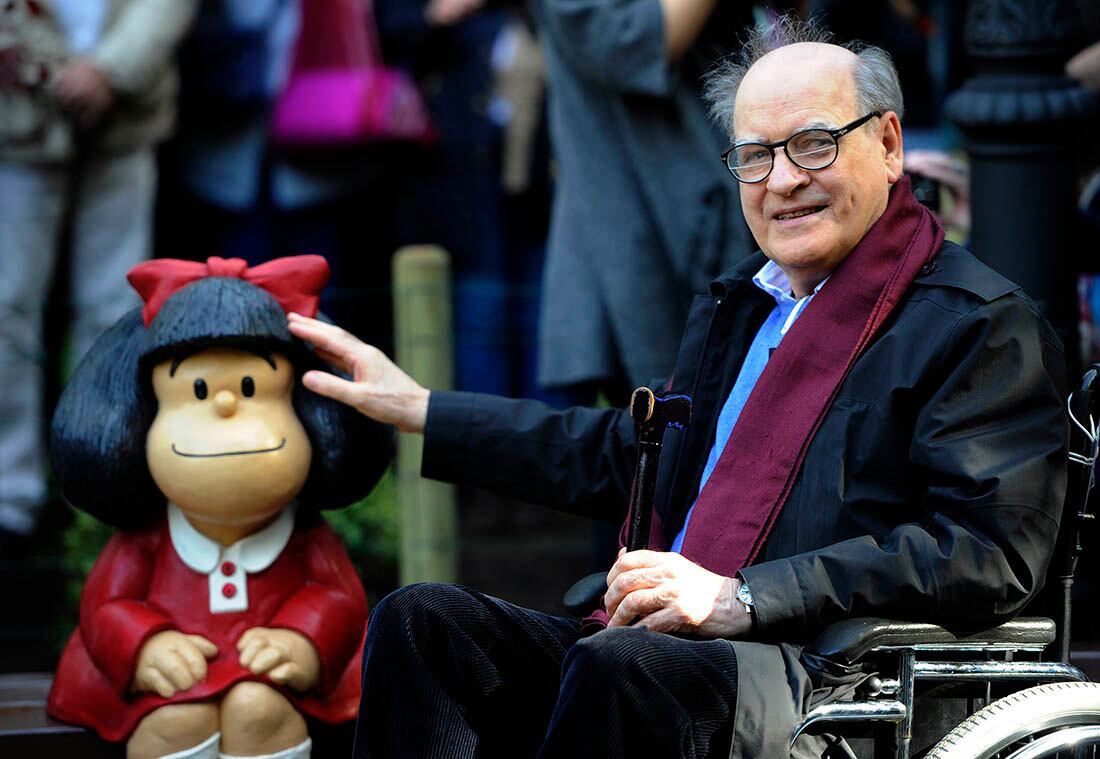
{"x":229,"y":590}
{"x":228,"y":568}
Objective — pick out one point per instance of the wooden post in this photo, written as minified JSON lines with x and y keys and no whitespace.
{"x":424,"y":348}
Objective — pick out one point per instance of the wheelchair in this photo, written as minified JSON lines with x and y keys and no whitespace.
{"x":904,"y":663}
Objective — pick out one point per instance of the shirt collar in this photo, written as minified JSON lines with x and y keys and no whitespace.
{"x":254,"y":553}
{"x":773,"y":280}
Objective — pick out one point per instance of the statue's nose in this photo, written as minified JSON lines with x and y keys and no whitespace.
{"x":226,"y":403}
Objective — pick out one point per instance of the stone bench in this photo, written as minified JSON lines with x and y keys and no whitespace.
{"x":26,"y":730}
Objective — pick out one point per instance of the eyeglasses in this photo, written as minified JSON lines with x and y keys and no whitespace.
{"x":810,"y":149}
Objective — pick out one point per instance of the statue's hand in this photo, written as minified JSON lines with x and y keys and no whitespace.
{"x":285,"y":656}
{"x":172,"y":661}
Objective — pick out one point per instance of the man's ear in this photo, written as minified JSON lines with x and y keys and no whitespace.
{"x":894,"y":152}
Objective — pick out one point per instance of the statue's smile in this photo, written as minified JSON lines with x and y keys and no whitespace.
{"x":227,"y":453}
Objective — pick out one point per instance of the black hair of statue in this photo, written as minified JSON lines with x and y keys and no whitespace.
{"x":97,"y":439}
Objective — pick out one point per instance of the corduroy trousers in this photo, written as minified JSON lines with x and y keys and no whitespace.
{"x":451,"y":672}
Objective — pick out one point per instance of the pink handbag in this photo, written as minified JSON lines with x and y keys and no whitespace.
{"x":339,"y":92}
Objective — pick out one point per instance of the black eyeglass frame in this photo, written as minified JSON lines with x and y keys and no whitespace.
{"x":836,"y":134}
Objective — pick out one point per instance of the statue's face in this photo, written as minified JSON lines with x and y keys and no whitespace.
{"x":226,"y":445}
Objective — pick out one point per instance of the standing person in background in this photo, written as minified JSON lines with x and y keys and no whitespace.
{"x":87,"y":89}
{"x":229,"y":191}
{"x":632,"y":139}
{"x":452,"y":194}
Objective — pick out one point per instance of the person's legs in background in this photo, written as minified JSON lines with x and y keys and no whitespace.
{"x":32,"y":209}
{"x":355,"y":234}
{"x":111,"y":233}
{"x":460,"y":209}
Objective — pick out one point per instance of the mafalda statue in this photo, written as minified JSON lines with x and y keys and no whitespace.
{"x":224,"y":611}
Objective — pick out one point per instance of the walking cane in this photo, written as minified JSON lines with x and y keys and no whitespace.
{"x":652,"y":415}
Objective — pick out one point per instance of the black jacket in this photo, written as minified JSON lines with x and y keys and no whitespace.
{"x":931,"y":491}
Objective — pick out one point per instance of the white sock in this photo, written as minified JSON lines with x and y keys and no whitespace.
{"x":301,"y":751}
{"x":208,"y":749}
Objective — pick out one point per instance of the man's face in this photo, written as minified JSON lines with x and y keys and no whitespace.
{"x":798,"y":87}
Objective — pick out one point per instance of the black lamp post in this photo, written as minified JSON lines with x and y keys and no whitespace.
{"x":1023,"y":119}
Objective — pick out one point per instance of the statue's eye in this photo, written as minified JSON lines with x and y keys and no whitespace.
{"x":248,"y":387}
{"x":200,"y":389}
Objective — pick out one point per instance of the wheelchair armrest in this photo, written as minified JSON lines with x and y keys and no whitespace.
{"x":849,"y":640}
{"x":585,"y":594}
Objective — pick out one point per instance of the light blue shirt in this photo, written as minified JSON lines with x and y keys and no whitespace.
{"x":773,"y":281}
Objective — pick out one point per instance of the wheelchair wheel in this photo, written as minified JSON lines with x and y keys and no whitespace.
{"x":1055,"y":720}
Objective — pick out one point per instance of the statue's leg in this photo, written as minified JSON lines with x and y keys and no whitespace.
{"x":175,"y":729}
{"x":257,"y":720}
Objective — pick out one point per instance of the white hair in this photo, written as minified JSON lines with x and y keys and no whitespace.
{"x":877,"y":85}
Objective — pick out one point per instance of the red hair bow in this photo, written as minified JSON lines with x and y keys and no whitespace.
{"x":295,"y":281}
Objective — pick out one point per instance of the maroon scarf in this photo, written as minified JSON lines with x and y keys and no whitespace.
{"x":753,"y":478}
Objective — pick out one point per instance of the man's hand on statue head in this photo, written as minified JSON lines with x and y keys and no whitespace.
{"x":172,"y":661}
{"x":665,"y":592}
{"x":285,"y":656}
{"x":378,"y":388}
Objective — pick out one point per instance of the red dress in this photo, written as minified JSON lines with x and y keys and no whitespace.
{"x":139,"y":586}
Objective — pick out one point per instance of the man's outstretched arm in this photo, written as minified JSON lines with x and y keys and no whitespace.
{"x":579,"y":460}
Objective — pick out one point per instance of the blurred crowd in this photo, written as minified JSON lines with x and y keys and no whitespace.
{"x":566,"y":162}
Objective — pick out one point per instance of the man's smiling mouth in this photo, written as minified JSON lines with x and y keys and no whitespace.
{"x":799,"y":213}
{"x":227,"y":453}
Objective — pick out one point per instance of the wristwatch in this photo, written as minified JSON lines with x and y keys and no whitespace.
{"x":744,"y":595}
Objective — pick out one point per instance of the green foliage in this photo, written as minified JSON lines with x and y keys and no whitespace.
{"x":369,"y":530}
{"x":82,"y":542}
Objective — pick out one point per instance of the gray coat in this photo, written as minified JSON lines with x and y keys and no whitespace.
{"x":645,"y":214}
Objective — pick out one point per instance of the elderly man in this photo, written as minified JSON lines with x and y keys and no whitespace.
{"x":878,"y":431}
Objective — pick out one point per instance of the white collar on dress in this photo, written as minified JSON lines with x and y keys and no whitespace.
{"x":254,"y":553}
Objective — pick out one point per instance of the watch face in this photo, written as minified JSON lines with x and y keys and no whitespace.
{"x":744,"y":595}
